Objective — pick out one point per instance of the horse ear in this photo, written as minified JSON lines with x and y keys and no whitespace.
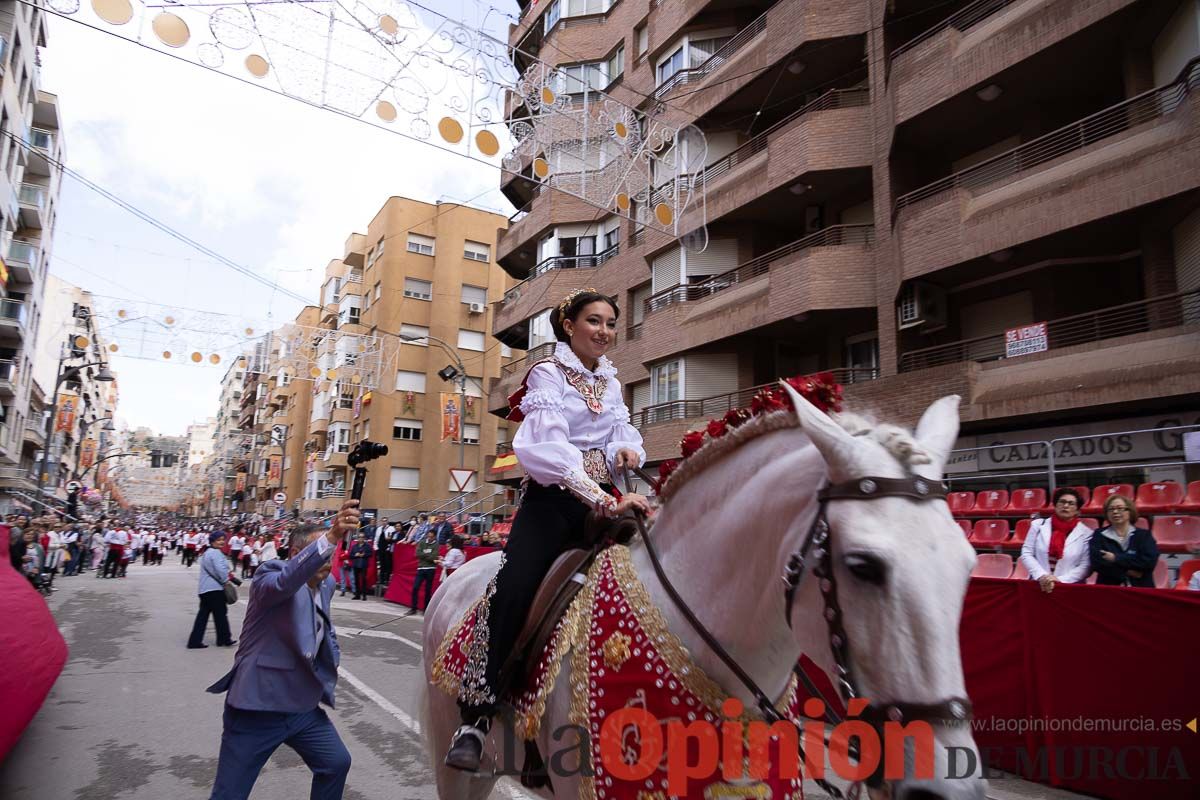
{"x":836,"y":446}
{"x":938,"y":429}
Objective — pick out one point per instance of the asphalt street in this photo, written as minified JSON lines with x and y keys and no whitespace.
{"x":129,"y":718}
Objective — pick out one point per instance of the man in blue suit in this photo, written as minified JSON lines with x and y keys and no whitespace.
{"x":285,"y":667}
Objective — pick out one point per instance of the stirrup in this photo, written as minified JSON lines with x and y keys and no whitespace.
{"x":466,"y":748}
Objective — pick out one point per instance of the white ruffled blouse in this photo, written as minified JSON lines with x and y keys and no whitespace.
{"x":559,"y":427}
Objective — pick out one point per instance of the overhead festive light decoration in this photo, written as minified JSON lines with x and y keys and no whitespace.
{"x":409,"y":68}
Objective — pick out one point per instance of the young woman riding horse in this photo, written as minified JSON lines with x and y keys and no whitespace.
{"x":575,"y":434}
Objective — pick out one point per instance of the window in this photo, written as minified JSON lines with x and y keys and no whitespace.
{"x":553,"y":14}
{"x":473,"y":385}
{"x":470,"y":434}
{"x":581,"y":78}
{"x":404,"y":478}
{"x":470,"y":340}
{"x":422,"y":245}
{"x":378,"y":291}
{"x":367,"y":429}
{"x":417,"y":289}
{"x":474,"y":294}
{"x":642,"y":34}
{"x":477,"y":251}
{"x":406,"y":429}
{"x":407,"y":381}
{"x":353,"y":315}
{"x":505,"y":351}
{"x":342,"y":440}
{"x":670,"y":65}
{"x":472,"y":484}
{"x":665,"y":382}
{"x":415,"y":330}
{"x":615,"y":66}
{"x":612,"y":233}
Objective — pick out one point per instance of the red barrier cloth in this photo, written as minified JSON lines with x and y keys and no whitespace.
{"x":32,"y":652}
{"x":404,"y":571}
{"x":372,"y":571}
{"x":1120,"y":661}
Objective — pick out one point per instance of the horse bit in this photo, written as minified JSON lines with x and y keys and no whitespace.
{"x":952,"y":710}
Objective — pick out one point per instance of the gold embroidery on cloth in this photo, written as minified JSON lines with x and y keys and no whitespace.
{"x":593,"y":393}
{"x":475,"y":689}
{"x":616,"y":651}
{"x":596,"y":465}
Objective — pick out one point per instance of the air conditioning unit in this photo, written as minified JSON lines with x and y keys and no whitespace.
{"x":921,"y":305}
{"x":476,"y":308}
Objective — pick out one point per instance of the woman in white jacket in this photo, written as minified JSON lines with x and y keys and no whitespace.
{"x":1057,"y":549}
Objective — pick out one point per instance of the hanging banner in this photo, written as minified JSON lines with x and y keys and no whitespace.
{"x":241,"y":482}
{"x":275,"y":472}
{"x":68,"y":405}
{"x":451,"y":416}
{"x":87,"y":453}
{"x":219,"y":490}
{"x":358,"y":404}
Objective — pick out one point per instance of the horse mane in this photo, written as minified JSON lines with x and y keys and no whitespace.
{"x":898,"y":442}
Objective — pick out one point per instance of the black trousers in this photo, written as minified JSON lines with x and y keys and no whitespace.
{"x":112,"y":562}
{"x":360,"y":581}
{"x":189,"y":556}
{"x":424,"y":576}
{"x":549,"y":522}
{"x":211,"y":603}
{"x":385,"y":564}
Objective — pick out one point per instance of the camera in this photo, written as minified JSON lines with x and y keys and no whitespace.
{"x":366,"y":451}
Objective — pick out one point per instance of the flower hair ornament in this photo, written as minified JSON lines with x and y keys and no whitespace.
{"x":566,"y":303}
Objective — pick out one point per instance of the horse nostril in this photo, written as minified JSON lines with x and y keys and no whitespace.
{"x":866,"y":567}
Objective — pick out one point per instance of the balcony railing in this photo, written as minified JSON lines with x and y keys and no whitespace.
{"x":1143,"y":108}
{"x":1168,"y":311}
{"x":714,"y":62}
{"x":826,"y":237}
{"x":634,"y":333}
{"x":712,"y":407}
{"x":8,"y":370}
{"x":560,"y":262}
{"x":32,"y":195}
{"x":23,"y":252}
{"x":12,"y":311}
{"x":541,"y":351}
{"x":327,"y":493}
{"x":962,"y":20}
{"x":354,"y":277}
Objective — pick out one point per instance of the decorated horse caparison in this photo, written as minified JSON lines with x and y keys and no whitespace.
{"x":850,"y":513}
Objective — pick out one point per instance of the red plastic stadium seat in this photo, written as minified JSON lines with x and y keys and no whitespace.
{"x":1019,"y":571}
{"x":1019,"y":534}
{"x":1091,"y":523}
{"x":1165,"y":496}
{"x":1026,"y":501}
{"x":1084,"y":493}
{"x":1162,"y":577}
{"x":965,"y":524}
{"x":1186,"y":570}
{"x":1101,"y":493}
{"x":990,"y":531}
{"x":960,"y":502}
{"x":993,"y":565}
{"x":1191,"y":501}
{"x":1176,"y":534}
{"x":990,"y":502}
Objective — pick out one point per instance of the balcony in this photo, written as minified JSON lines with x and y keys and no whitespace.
{"x":12,"y":316}
{"x":698,"y":73}
{"x":35,"y":435}
{"x":978,"y":42}
{"x":511,"y":375}
{"x":41,"y":153}
{"x":1142,"y":316}
{"x":1076,"y":174}
{"x":551,"y":278}
{"x":515,"y":249}
{"x":22,"y":260}
{"x":8,"y":377}
{"x":17,"y":477}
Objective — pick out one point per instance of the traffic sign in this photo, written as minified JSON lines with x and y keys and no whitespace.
{"x":74,"y":486}
{"x":280,"y":498}
{"x":462,"y":478}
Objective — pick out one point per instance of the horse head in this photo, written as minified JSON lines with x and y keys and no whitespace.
{"x":896,"y":567}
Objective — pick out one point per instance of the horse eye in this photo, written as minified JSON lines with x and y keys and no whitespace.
{"x":866,"y":567}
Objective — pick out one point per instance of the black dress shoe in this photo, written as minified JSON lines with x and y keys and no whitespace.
{"x":466,"y":749}
{"x":197,"y":646}
{"x":230,"y":643}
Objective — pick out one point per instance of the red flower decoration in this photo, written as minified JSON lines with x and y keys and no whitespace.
{"x":665,"y":470}
{"x":717,"y":428}
{"x":736,"y":416}
{"x":768,"y":400}
{"x":691,"y":443}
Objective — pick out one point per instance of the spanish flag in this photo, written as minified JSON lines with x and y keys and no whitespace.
{"x":504,"y":462}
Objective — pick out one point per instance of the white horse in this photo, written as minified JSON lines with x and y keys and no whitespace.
{"x":725,"y":536}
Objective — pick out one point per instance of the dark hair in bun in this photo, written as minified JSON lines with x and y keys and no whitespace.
{"x":570,"y":308}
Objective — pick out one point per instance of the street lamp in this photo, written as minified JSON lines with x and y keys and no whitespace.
{"x":102,"y":375}
{"x":456,"y":372}
{"x":83,"y":429}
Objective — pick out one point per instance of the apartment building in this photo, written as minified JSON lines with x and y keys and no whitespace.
{"x":67,"y":336}
{"x":30,"y":144}
{"x":230,"y":446}
{"x":254,"y":424}
{"x":153,"y":475}
{"x":426,"y":272}
{"x":891,"y":188}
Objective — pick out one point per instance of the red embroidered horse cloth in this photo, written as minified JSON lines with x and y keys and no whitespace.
{"x":633,"y":687}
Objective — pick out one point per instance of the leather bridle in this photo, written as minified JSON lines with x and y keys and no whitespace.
{"x":816,"y":545}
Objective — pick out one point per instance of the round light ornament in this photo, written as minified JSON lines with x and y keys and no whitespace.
{"x":487,"y":143}
{"x":450,"y":129}
{"x":197,"y":357}
{"x":81,"y":342}
{"x":171,"y":30}
{"x":541,"y":167}
{"x":114,"y":12}
{"x":664,"y":214}
{"x":385,"y":111}
{"x":257,"y":66}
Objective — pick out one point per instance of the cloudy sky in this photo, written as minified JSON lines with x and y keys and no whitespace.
{"x":264,"y":180}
